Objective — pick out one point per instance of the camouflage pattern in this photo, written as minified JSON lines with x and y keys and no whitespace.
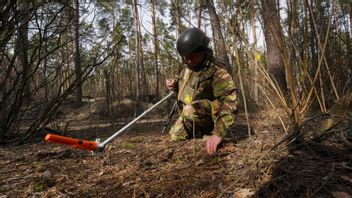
{"x":212,"y":95}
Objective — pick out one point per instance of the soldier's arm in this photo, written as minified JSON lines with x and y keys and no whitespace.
{"x":226,"y":103}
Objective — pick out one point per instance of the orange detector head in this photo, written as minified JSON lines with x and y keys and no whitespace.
{"x":76,"y":143}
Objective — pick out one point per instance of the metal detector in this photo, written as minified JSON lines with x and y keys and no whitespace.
{"x":96,"y":146}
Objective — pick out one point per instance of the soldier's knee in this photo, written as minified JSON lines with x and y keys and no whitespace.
{"x":177,"y":131}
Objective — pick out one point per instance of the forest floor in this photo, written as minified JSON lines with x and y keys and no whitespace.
{"x":145,"y":163}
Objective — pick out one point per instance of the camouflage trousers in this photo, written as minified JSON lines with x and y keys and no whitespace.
{"x":195,"y":121}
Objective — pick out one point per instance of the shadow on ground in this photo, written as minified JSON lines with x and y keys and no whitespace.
{"x":311,"y":169}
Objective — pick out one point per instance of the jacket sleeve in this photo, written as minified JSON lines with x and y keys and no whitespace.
{"x":178,"y":79}
{"x":225,"y":106}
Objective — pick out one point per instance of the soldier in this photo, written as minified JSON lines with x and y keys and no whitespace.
{"x":206,"y":92}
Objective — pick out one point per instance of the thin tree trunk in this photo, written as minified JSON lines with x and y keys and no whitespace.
{"x":200,"y":10}
{"x":219,"y":41}
{"x":305,"y":46}
{"x":45,"y":68}
{"x":108,"y":89}
{"x":178,"y":28}
{"x":155,"y":42}
{"x":313,"y":50}
{"x":254,"y":68}
{"x":349,"y":45}
{"x":139,"y":58}
{"x":76,"y":53}
{"x":350,"y":19}
{"x":138,"y":97}
{"x":115,"y":69}
{"x":133,"y":91}
{"x":293,"y":34}
{"x":22,"y":49}
{"x":272,"y":33}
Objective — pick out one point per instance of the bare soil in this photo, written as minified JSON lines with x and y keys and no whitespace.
{"x":145,"y":163}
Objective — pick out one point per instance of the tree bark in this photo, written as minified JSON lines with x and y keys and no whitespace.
{"x":219,"y":41}
{"x":200,"y":10}
{"x":138,"y":97}
{"x":133,"y":89}
{"x":178,"y":29}
{"x":273,"y":35}
{"x":140,"y":75}
{"x":349,"y":45}
{"x":350,"y":19}
{"x":155,"y":42}
{"x":254,"y":67}
{"x":313,"y":49}
{"x":21,"y":49}
{"x":76,"y":53}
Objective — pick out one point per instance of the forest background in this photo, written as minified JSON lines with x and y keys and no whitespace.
{"x":55,"y":52}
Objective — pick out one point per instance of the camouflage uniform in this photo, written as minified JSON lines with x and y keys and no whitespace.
{"x":213,"y":95}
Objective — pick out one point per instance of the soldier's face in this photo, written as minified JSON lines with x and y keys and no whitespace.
{"x":195,"y":59}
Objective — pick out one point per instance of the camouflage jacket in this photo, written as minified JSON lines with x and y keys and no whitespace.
{"x":212,"y":83}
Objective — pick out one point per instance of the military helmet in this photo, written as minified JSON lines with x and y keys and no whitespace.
{"x":190,"y":40}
